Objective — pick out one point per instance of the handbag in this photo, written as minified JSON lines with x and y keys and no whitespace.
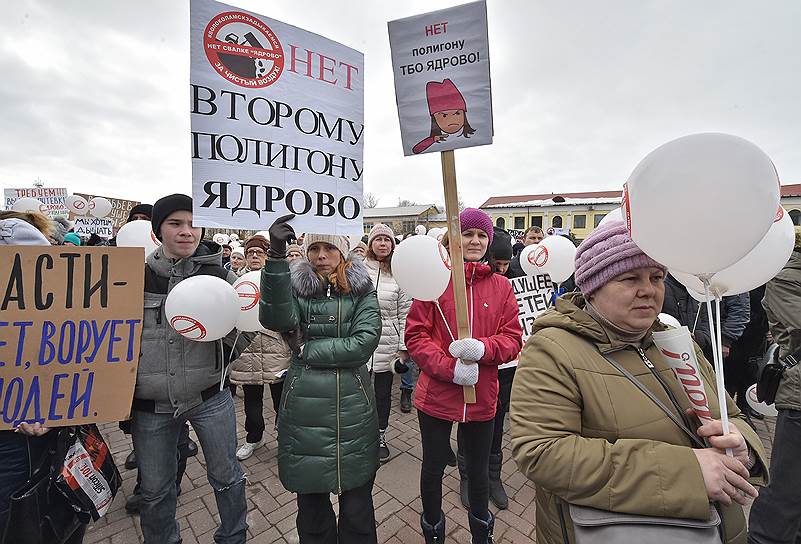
{"x":595,"y":526}
{"x":770,"y":371}
{"x":38,"y":512}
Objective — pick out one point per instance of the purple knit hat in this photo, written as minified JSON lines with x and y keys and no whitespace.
{"x":608,"y":252}
{"x":472,"y":218}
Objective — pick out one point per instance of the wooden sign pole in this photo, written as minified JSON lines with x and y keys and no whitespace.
{"x":457,"y":261}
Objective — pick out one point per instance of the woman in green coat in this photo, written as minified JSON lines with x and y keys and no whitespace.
{"x":328,"y":426}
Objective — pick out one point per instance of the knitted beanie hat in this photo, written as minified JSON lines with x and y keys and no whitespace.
{"x":606,"y":253}
{"x":144,"y":209}
{"x":165,"y":206}
{"x":472,"y":218}
{"x":379,"y":229}
{"x":239,"y":251}
{"x":257,"y":241}
{"x":342,"y":243}
{"x":72,"y":238}
{"x":501,"y":247}
{"x":295,"y":247}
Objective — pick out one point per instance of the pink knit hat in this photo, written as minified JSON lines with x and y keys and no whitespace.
{"x":379,"y":229}
{"x":473,"y":218}
{"x":608,"y":252}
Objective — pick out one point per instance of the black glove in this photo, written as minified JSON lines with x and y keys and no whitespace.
{"x":281,"y":232}
{"x":400,"y":367}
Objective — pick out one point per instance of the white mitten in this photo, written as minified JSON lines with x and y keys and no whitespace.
{"x":468,"y":349}
{"x":465,"y":373}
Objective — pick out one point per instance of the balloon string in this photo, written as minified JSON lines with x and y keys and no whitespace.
{"x":697,"y":315}
{"x":436,"y":302}
{"x":717,"y":349}
{"x":226,"y":367}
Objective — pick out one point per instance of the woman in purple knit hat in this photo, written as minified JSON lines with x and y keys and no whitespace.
{"x":585,"y":433}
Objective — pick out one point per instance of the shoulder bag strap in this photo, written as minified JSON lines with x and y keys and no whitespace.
{"x":695,"y":440}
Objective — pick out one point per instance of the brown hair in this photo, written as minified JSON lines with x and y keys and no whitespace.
{"x":467,"y":130}
{"x":533,"y":228}
{"x":42,"y":223}
{"x":386,"y":264}
{"x":339,"y":278}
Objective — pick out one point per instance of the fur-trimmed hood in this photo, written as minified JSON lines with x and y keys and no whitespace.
{"x":308,"y":284}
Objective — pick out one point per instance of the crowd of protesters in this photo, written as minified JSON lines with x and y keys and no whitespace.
{"x":337,"y":330}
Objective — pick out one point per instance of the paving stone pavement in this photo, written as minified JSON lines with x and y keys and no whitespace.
{"x":272,"y":510}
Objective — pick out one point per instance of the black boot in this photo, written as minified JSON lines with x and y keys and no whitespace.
{"x":463,"y":495}
{"x":497,"y":493}
{"x":434,"y":534}
{"x":406,"y":400}
{"x":130,"y":461}
{"x":481,"y":530}
{"x":383,"y":449}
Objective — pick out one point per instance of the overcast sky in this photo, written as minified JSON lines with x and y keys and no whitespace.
{"x":93,"y":94}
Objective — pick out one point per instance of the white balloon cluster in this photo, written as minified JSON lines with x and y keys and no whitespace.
{"x":98,"y":207}
{"x":555,"y":256}
{"x":421,"y":266}
{"x":138,"y":233}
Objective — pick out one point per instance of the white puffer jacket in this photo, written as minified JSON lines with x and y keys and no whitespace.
{"x":394,"y":304}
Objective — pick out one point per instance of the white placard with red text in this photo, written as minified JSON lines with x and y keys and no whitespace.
{"x":442,"y":79}
{"x":277,"y":116}
{"x":54,"y":199}
{"x":678,"y":351}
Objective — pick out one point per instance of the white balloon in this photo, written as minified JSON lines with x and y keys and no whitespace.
{"x":421,"y":267}
{"x":77,"y":204}
{"x":220,"y":238}
{"x":527,"y":260}
{"x":234,"y":236}
{"x":202,"y":308}
{"x":761,"y":407}
{"x":555,"y":256}
{"x":763,"y":262}
{"x":695,"y":287}
{"x":675,"y":194}
{"x":668,"y":319}
{"x":700,"y":297}
{"x":234,"y":244}
{"x":27,"y":204}
{"x":614,"y":215}
{"x":138,"y":233}
{"x":99,"y":207}
{"x":420,"y":229}
{"x":248,"y":290}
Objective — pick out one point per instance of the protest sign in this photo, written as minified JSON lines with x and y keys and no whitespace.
{"x":679,"y":351}
{"x":53,"y":198}
{"x":534,"y":295}
{"x":86,"y":226}
{"x":442,"y":79}
{"x":277,"y":117}
{"x":70,"y":333}
{"x":120,"y":209}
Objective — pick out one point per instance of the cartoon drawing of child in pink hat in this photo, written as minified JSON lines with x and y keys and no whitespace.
{"x":448,"y":114}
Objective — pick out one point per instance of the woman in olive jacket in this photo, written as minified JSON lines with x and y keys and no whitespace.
{"x":328,"y":429}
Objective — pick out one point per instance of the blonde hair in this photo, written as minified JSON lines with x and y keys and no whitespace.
{"x":42,"y":223}
{"x":339,"y":278}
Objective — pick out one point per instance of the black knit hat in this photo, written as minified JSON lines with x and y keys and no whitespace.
{"x":144,"y":209}
{"x":501,"y":247}
{"x":166,"y":206}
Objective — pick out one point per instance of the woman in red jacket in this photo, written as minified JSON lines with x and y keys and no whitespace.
{"x":446,"y":364}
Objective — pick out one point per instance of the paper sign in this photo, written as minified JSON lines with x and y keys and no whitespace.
{"x":678,"y":350}
{"x":86,"y":226}
{"x":53,"y":198}
{"x":120,"y":209}
{"x":442,"y":79}
{"x":69,"y":333}
{"x":277,"y":117}
{"x":533,"y":294}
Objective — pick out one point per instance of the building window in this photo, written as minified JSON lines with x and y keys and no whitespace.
{"x":580,"y":221}
{"x":536,"y":221}
{"x":598,"y":218}
{"x":795,"y":215}
{"x":520,"y":223}
{"x":408,"y":226}
{"x":500,"y":223}
{"x":556,"y":222}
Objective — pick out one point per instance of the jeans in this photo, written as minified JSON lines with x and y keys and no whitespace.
{"x":776,"y":513}
{"x":382,"y":381}
{"x":436,"y":438}
{"x":408,"y":379}
{"x":155,"y":438}
{"x":317,"y":523}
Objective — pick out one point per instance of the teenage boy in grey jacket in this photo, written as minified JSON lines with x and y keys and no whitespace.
{"x":179,"y":380}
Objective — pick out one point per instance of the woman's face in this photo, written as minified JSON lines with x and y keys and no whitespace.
{"x":450,"y":121}
{"x":474,"y":244}
{"x":237,"y":261}
{"x":381,"y":246}
{"x":324,"y":257}
{"x":293,"y":255}
{"x":632,"y":300}
{"x":256,"y":258}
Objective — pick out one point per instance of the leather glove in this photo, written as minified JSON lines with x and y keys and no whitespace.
{"x":468,"y":349}
{"x":465,"y":373}
{"x":281,"y":232}
{"x":399,"y":367}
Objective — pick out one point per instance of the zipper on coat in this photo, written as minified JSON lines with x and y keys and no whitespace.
{"x":286,"y":397}
{"x":665,"y":386}
{"x":361,"y":386}
{"x":339,"y":471}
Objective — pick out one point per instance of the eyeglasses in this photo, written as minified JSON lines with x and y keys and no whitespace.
{"x":257,"y":252}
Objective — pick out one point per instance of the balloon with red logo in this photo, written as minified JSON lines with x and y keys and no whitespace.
{"x":202,"y":308}
{"x":421,"y":267}
{"x":77,"y":204}
{"x":99,"y":207}
{"x":138,"y":233}
{"x":555,"y":256}
{"x":249,"y":292}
